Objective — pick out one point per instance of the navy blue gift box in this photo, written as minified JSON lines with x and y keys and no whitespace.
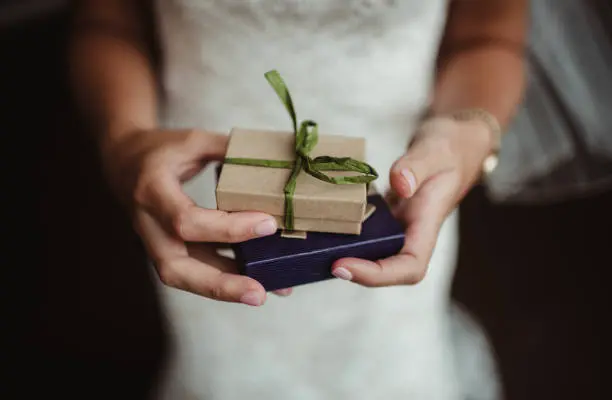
{"x":280,"y":262}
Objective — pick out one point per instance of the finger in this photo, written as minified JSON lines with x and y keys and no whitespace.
{"x":159,"y":243}
{"x":209,"y":280}
{"x":423,"y":215}
{"x":194,"y":152}
{"x":159,"y":187}
{"x":424,"y":159}
{"x":166,"y":200}
{"x":208,"y":253}
{"x":391,"y":198}
{"x":203,"y":225}
{"x":396,"y":204}
{"x":204,"y":145}
{"x":402,"y":269}
{"x":196,"y":270}
{"x":407,"y":268}
{"x":283,"y":292}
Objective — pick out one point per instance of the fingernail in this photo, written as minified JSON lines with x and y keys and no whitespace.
{"x":252,"y":299}
{"x":266,"y":228}
{"x":410,"y":179}
{"x":342,"y":273}
{"x":284,"y":292}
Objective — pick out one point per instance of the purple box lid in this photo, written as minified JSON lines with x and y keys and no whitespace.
{"x":279,"y":263}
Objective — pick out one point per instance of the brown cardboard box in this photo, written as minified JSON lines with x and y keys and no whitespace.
{"x":318,"y":206}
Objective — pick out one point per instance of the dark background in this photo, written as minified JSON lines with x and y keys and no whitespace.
{"x":81,"y":316}
{"x":80,"y":313}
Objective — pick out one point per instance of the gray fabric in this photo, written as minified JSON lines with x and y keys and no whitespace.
{"x":560,"y":144}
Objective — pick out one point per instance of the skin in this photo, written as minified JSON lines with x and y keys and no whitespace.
{"x":481,"y":66}
{"x":115,"y":81}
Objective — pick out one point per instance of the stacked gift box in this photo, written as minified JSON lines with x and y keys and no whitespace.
{"x":318,"y":189}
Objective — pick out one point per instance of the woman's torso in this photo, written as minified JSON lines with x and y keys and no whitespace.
{"x":361,"y":68}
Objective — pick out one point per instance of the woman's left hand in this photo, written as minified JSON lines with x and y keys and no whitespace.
{"x":442,"y":163}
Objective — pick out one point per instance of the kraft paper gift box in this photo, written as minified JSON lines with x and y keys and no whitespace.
{"x":318,"y":206}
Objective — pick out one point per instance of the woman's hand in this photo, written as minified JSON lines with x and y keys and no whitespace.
{"x":440,"y":166}
{"x":146,"y":170}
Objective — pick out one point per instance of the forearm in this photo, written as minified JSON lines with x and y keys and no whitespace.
{"x":481,"y":63}
{"x":112,"y":72}
{"x":490,"y":79}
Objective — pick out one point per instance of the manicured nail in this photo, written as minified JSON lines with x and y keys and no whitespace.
{"x":283,"y":292}
{"x":410,"y":179}
{"x":266,"y":228}
{"x":342,"y":273}
{"x":254,"y":299}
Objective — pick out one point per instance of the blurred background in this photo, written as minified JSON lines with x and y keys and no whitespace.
{"x":80,"y":315}
{"x":87,"y":322}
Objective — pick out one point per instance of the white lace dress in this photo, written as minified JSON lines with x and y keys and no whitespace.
{"x":357,"y":67}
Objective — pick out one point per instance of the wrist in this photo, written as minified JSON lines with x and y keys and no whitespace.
{"x":483,"y":116}
{"x":118,"y":134}
{"x":485,"y":133}
{"x":493,"y":128}
{"x":119,"y":147}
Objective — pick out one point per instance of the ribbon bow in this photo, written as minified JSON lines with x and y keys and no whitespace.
{"x":306,"y":138}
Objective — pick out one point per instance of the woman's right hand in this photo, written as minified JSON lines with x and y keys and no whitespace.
{"x":146,"y":169}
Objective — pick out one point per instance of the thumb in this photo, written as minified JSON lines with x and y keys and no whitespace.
{"x":210,"y":146}
{"x":194,"y":150}
{"x":424,"y":160}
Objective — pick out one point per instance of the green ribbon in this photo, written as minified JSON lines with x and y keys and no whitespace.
{"x":306,"y":138}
